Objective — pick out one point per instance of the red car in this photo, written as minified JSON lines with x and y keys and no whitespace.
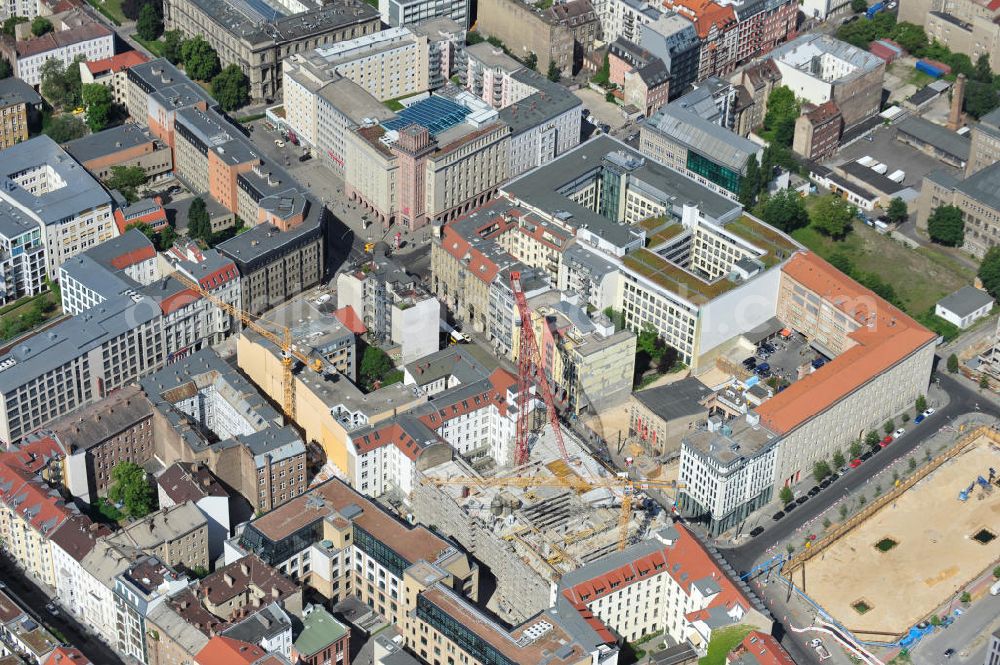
{"x":855,"y":463}
{"x":886,"y":441}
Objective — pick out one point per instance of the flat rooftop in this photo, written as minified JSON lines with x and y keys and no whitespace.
{"x":259,"y":22}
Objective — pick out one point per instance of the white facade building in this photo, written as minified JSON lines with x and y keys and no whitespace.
{"x":93,"y":41}
{"x":22,"y":255}
{"x":965,"y":306}
{"x":407,"y":12}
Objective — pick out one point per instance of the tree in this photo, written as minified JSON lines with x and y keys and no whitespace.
{"x":855,"y":449}
{"x":149,"y":25}
{"x":130,"y":487}
{"x":982,"y":72}
{"x":200,"y":60}
{"x":842,"y":262}
{"x":375,"y":365}
{"x":946,"y":227}
{"x":10,"y":24}
{"x":838,"y":460}
{"x":126,"y":179}
{"x":911,"y":37}
{"x":920,"y":405}
{"x":953,"y":364}
{"x":786,"y":211}
{"x":832,"y":216}
{"x":97,"y":100}
{"x":231,"y":88}
{"x":980,"y":99}
{"x":965,"y":598}
{"x":989,"y":271}
{"x":40,"y":26}
{"x":199,"y":222}
{"x":6,"y":71}
{"x":61,"y":85}
{"x":912,"y":463}
{"x":984,"y":381}
{"x":996,"y":572}
{"x":889,"y":427}
{"x":897,"y":211}
{"x":554,"y":73}
{"x":821,"y":470}
{"x":167,"y":238}
{"x":66,"y":127}
{"x":872,"y":438}
{"x":132,"y":9}
{"x":858,"y":6}
{"x":843,"y":510}
{"x":785,"y":495}
{"x":750,"y":184}
{"x":782,"y":111}
{"x":173,"y":40}
{"x":617,"y":317}
{"x":531,"y":62}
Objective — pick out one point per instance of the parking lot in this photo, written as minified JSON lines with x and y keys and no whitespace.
{"x":789,"y":361}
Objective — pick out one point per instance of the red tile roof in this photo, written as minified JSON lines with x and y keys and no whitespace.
{"x":885,"y":337}
{"x":227,"y":651}
{"x":117,"y":63}
{"x":394,"y":434}
{"x":67,"y":656}
{"x":33,"y":457}
{"x":156,"y":218}
{"x":764,"y":649}
{"x":704,"y":14}
{"x":176,"y":301}
{"x":127,"y":259}
{"x":351,"y":320}
{"x":32,"y":500}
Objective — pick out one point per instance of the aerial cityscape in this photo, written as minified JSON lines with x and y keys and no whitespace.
{"x":499,"y":332}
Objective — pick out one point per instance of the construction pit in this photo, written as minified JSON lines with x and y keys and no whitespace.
{"x":915,"y":552}
{"x":532,"y":524}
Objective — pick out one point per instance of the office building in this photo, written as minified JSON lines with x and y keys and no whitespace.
{"x":20,"y":106}
{"x":259,"y":37}
{"x":399,"y":13}
{"x":125,"y":145}
{"x":975,"y":196}
{"x":673,"y":39}
{"x":22,"y":254}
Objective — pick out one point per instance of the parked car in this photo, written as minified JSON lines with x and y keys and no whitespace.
{"x":802,"y":499}
{"x":855,"y":463}
{"x":789,"y":507}
{"x":762,"y":368}
{"x":919,"y":419}
{"x":778,"y":515}
{"x":750,"y":362}
{"x":756,"y":532}
{"x":825,"y":483}
{"x":898,"y":433}
{"x":279,"y":143}
{"x":815,"y":490}
{"x":948,"y":653}
{"x":928,"y":413}
{"x":886,"y":441}
{"x":867,"y":456}
{"x":833,"y":477}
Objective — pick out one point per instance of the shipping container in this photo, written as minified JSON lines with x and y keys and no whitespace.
{"x":875,"y":9}
{"x":886,"y":50}
{"x":866,"y":161}
{"x":932,"y":67}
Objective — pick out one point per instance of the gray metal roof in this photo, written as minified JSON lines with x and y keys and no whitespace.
{"x":264,"y":239}
{"x":78,"y":191}
{"x":217,"y":135}
{"x":13,"y":222}
{"x":690,"y":122}
{"x":965,"y":301}
{"x":878,"y":182}
{"x":15,"y":91}
{"x":109,"y":141}
{"x":550,"y":101}
{"x":265,"y":624}
{"x":942,"y":138}
{"x":983,"y":186}
{"x":801,"y":52}
{"x":681,"y":399}
{"x":72,"y":338}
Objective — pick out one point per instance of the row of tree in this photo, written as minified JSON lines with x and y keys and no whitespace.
{"x":230,"y":86}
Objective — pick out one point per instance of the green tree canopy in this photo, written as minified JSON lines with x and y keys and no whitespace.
{"x":946,"y":227}
{"x":980,"y":98}
{"x":910,"y":36}
{"x":173,"y":41}
{"x":782,"y":111}
{"x":200,"y":60}
{"x":750,"y":184}
{"x":921,"y":404}
{"x":6,"y":71}
{"x":149,"y":25}
{"x":873,"y":438}
{"x":375,"y":366}
{"x":989,"y":271}
{"x":126,"y":179}
{"x":897,"y":211}
{"x":231,"y":88}
{"x":98,"y":102}
{"x":66,"y":127}
{"x":40,"y":26}
{"x":554,"y":73}
{"x":61,"y":85}
{"x":531,"y":62}
{"x":10,"y":24}
{"x":832,"y":216}
{"x":953,"y":364}
{"x":199,"y":222}
{"x":858,"y":6}
{"x":130,"y":487}
{"x":786,"y":211}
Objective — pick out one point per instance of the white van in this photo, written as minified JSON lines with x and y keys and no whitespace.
{"x":995,"y":589}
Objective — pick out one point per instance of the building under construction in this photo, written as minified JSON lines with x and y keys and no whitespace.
{"x":530,"y":535}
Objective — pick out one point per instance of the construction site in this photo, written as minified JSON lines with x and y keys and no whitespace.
{"x":532,"y":524}
{"x":926,"y":539}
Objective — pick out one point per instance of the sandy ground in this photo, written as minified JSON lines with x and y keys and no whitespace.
{"x":934,"y":558}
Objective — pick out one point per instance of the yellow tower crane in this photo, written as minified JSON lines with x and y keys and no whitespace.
{"x":282,"y":340}
{"x":627,"y":486}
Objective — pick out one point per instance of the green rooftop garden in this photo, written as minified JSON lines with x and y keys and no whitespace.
{"x":778,"y":247}
{"x":657,"y":269}
{"x":664,"y":235}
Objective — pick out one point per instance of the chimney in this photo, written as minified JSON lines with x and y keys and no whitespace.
{"x":229,"y":579}
{"x":957,"y":97}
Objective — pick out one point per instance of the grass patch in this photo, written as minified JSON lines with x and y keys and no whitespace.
{"x":885,"y":544}
{"x":394,"y":105}
{"x":919,"y":277}
{"x":112,"y":9}
{"x":251,"y":118}
{"x":155,"y":47}
{"x":104,"y":511}
{"x":543,"y":4}
{"x":861,"y":606}
{"x":723,"y":641}
{"x":26,"y":314}
{"x":395,"y":376}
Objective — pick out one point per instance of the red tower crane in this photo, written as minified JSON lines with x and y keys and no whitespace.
{"x":530,"y":371}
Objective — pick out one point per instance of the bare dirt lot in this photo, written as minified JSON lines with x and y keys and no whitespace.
{"x":935,"y":553}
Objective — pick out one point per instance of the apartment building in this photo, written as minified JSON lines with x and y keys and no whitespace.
{"x":399,"y":13}
{"x":176,"y":535}
{"x":975,"y":196}
{"x":323,"y":639}
{"x":620,"y":19}
{"x":819,"y":68}
{"x":78,"y":362}
{"x":984,"y":149}
{"x":23,"y":266}
{"x":258,"y":38}
{"x":393,"y":305}
{"x":112,"y":73}
{"x":525,"y":30}
{"x":756,"y":81}
{"x":46,"y":185}
{"x":193,"y":482}
{"x":340,"y":544}
{"x":673,"y":39}
{"x":591,"y":365}
{"x":20,"y":105}
{"x":101,"y":436}
{"x":22,"y":639}
{"x":235,"y":589}
{"x":691,"y":135}
{"x":125,"y":145}
{"x":388,"y":64}
{"x":89,"y":39}
{"x":206,"y":411}
{"x":968,"y":26}
{"x":718,"y":31}
{"x":643,"y":78}
{"x":666,"y":583}
{"x":817,"y":131}
{"x":763,"y":25}
{"x":138,"y":590}
{"x":270,"y":628}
